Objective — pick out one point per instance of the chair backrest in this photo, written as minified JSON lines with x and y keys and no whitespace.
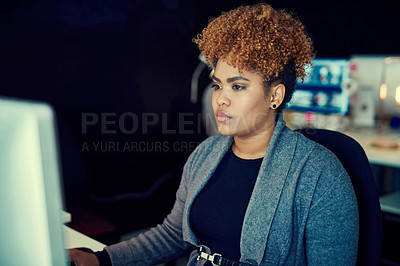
{"x":355,"y":161}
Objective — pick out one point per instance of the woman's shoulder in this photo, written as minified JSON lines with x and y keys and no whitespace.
{"x":317,"y":153}
{"x":324,"y":163}
{"x":318,"y":161}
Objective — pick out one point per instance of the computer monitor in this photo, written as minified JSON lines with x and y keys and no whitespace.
{"x":31,"y":230}
{"x":323,"y":90}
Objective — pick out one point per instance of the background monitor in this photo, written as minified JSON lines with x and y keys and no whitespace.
{"x":324,"y":88}
{"x":31,"y":231}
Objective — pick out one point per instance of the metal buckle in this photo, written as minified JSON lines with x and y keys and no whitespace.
{"x":215,"y":256}
{"x":209,"y":257}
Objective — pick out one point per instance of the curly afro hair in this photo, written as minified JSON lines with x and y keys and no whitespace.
{"x":257,"y":38}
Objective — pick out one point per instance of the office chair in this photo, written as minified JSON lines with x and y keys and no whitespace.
{"x":355,"y":161}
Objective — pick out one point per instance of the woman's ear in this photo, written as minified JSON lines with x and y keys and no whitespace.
{"x":277,"y":94}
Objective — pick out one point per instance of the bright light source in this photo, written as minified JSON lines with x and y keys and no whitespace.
{"x":397,"y":95}
{"x":383,"y":91}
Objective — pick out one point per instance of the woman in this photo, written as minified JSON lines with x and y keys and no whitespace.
{"x":259,"y":193}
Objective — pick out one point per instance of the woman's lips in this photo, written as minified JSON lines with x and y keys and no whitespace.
{"x":222,"y":117}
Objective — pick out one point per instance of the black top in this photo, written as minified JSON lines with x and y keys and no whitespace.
{"x":218,"y":211}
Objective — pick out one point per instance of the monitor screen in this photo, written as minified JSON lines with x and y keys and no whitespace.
{"x":31,"y":231}
{"x":323,"y":90}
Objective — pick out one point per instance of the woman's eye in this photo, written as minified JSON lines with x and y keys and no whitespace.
{"x":238,"y":87}
{"x":215,"y":86}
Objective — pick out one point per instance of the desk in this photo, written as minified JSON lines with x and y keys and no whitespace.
{"x":379,"y":156}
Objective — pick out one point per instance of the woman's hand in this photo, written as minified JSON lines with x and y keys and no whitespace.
{"x":81,"y":258}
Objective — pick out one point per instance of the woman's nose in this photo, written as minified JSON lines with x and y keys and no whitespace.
{"x":221,"y":97}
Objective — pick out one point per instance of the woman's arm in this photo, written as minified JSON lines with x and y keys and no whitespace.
{"x":165,"y":241}
{"x":157,"y":245}
{"x":332,"y":227}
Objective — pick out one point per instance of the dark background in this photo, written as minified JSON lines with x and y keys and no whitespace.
{"x":136,"y":56}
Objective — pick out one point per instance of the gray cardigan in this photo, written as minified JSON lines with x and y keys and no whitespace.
{"x":303,"y":210}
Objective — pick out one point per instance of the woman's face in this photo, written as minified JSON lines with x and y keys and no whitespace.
{"x":240,"y":104}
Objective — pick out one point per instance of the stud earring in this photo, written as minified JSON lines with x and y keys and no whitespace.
{"x":274,"y":106}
